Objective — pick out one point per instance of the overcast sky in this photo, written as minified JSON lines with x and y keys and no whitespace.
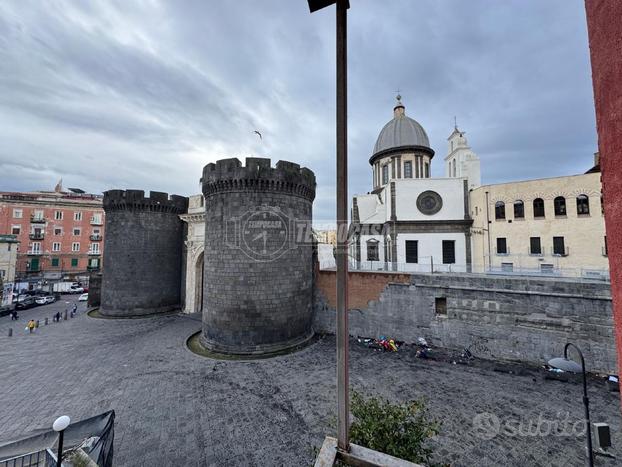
{"x":142,"y":94}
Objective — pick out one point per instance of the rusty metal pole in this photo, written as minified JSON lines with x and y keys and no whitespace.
{"x":343,"y":403}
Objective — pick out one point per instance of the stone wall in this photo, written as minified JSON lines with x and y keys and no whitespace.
{"x":513,"y":318}
{"x":258,"y":279}
{"x":143,"y":253}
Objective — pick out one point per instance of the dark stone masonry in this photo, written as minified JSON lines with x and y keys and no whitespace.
{"x":143,"y":253}
{"x":258,"y":283}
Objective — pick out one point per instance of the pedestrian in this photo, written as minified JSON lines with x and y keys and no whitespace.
{"x":31,"y":326}
{"x":75,"y":308}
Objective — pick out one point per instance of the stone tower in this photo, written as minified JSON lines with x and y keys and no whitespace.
{"x":142,"y":254}
{"x":258,"y":256}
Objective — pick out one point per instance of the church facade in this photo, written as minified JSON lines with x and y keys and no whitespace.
{"x":411,"y":221}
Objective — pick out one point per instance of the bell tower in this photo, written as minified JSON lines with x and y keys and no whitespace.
{"x":461,"y":161}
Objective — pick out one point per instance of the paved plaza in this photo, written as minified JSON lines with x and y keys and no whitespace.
{"x":176,"y":408}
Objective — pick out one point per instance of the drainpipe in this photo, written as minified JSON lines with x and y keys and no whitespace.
{"x":488,"y":232}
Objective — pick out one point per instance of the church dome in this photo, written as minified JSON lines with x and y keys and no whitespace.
{"x":401,"y":132}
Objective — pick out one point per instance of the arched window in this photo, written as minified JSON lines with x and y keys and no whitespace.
{"x":499,"y":210}
{"x":454,"y":164}
{"x":519,"y":209}
{"x":538,"y":207}
{"x":583,"y":204}
{"x":385,"y":174}
{"x":560,"y":205}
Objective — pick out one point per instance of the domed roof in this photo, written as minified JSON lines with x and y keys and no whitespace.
{"x":401,"y":131}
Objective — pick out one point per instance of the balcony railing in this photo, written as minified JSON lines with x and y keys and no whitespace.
{"x":560,"y":251}
{"x":37,"y":219}
{"x":94,"y":252}
{"x":96,"y":238}
{"x":96,"y":221}
{"x":36,"y":236}
{"x":34,"y":252}
{"x":93,"y":268}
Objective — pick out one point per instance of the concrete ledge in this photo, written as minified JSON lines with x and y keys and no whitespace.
{"x":358,"y":456}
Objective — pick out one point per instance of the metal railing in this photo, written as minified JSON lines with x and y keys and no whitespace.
{"x":36,"y":236}
{"x":44,"y":458}
{"x":96,"y":238}
{"x":427,"y":266}
{"x":37,"y":220}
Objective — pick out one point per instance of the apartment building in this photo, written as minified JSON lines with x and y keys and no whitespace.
{"x":60,"y":233}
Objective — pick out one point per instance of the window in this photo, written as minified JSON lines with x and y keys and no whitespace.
{"x":502,"y":246}
{"x":58,"y":215}
{"x":76,"y":231}
{"x":34,"y":264}
{"x":538,"y":207}
{"x":58,"y":231}
{"x":547,"y":268}
{"x":408,"y":169}
{"x":385,"y":174}
{"x":499,"y":210}
{"x":94,"y":263}
{"x":77,"y":216}
{"x":16,"y":229}
{"x":96,"y":231}
{"x":454,"y":166}
{"x":583,"y":205}
{"x":37,"y":215}
{"x":519,"y":209}
{"x":440,"y":306}
{"x":36,"y":247}
{"x":94,"y":248}
{"x":558,"y":246}
{"x":55,"y":262}
{"x":507,"y":267}
{"x":449,"y":251}
{"x":56,"y":246}
{"x":18,"y":213}
{"x":412,"y":251}
{"x":372,"y":250}
{"x":74,"y":262}
{"x":535,"y":247}
{"x":75,"y":246}
{"x":560,"y":206}
{"x":427,"y":170}
{"x":96,"y":218}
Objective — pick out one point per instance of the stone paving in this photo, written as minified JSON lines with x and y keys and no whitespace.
{"x":176,"y":408}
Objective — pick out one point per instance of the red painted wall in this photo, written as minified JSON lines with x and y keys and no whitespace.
{"x":604,"y":21}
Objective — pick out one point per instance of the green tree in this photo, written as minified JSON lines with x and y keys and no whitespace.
{"x":400,"y":430}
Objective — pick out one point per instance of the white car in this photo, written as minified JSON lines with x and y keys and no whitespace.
{"x":40,"y":301}
{"x":76,"y":290}
{"x":84,"y":297}
{"x":50,"y":299}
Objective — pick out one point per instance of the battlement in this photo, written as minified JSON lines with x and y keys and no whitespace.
{"x":135,"y":200}
{"x":228,"y":175}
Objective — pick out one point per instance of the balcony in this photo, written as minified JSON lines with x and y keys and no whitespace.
{"x":96,"y":221}
{"x":93,"y":268}
{"x":96,"y":238}
{"x":94,"y":252}
{"x":560,"y":251}
{"x":37,"y":220}
{"x":36,"y":236}
{"x":34,"y":253}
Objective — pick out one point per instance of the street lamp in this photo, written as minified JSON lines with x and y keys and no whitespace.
{"x":60,"y":424}
{"x":343,"y":412}
{"x":573,"y":367}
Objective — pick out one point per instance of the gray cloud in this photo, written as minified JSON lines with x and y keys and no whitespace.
{"x":143,"y":94}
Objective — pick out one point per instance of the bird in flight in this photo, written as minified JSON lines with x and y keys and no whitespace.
{"x":258,"y":134}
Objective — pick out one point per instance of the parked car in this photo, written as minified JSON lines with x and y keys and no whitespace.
{"x":76,"y":290}
{"x":50,"y":299}
{"x":84,"y":297}
{"x":40,"y":300}
{"x":25,"y":302}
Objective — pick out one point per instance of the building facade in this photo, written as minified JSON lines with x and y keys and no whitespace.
{"x":410,"y":221}
{"x":194,"y":246}
{"x":544,"y":226}
{"x":60,"y":233}
{"x":8,"y":257}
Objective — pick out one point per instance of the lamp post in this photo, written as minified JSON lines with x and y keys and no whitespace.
{"x":343,"y":413}
{"x":573,"y":367}
{"x":60,"y":424}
